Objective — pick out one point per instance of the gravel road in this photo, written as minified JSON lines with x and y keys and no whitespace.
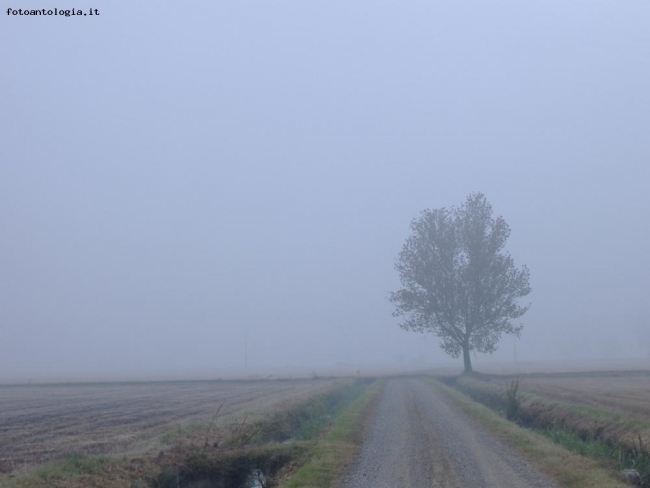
{"x":417,"y":438}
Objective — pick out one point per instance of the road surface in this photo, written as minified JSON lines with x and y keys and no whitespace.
{"x":417,"y":438}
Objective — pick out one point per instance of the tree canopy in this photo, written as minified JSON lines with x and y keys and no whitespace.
{"x":458,"y":282}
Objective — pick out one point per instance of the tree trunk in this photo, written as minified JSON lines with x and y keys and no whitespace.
{"x":466,"y":358}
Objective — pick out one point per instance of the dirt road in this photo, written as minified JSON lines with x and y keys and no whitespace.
{"x":417,"y":438}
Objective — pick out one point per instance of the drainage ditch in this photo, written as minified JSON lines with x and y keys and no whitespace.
{"x":255,"y":468}
{"x":264,"y":452}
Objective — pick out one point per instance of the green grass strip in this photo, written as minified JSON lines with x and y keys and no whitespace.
{"x":331,"y":454}
{"x":70,"y":471}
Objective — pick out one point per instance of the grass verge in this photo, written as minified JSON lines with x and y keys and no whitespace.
{"x":567,"y":468}
{"x":586,"y":431}
{"x":79,"y":471}
{"x":333,"y":452}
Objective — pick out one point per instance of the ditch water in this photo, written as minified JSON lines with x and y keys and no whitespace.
{"x":255,"y":479}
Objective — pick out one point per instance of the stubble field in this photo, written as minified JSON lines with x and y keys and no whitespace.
{"x":45,"y":422}
{"x":623,"y":393}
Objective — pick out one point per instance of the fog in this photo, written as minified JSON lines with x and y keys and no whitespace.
{"x":225,"y":186}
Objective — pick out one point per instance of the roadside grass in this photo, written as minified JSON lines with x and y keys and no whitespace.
{"x":78,"y":471}
{"x":332,"y":454}
{"x":584,"y":447}
{"x":584,"y":430}
{"x":568,"y":469}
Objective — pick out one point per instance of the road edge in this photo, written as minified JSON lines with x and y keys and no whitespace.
{"x":333,"y":455}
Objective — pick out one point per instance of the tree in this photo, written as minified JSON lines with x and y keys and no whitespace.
{"x":457,"y":281}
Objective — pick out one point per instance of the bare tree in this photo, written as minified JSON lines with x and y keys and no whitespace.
{"x":457,"y":282}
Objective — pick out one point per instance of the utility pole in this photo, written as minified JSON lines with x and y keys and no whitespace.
{"x":246,"y":351}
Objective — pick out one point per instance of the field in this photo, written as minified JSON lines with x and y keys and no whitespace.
{"x":45,"y":422}
{"x":626,"y":394}
{"x":148,"y":429}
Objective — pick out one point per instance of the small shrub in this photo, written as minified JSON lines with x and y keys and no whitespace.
{"x":513,"y":406}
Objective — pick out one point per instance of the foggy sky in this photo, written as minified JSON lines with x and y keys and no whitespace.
{"x":175,"y":177}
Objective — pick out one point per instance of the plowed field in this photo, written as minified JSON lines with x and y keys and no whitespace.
{"x":45,"y":422}
{"x":623,"y":393}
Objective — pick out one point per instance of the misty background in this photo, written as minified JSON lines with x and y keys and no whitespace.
{"x":178,"y":180}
